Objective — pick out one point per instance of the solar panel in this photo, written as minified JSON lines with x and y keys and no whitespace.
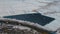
{"x":34,"y":17}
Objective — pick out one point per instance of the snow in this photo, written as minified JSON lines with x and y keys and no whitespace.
{"x":13,"y":7}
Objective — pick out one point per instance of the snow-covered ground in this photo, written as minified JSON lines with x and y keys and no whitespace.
{"x":45,"y":7}
{"x":12,"y":7}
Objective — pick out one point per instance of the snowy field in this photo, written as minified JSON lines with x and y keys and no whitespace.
{"x":12,"y":7}
{"x":49,"y":8}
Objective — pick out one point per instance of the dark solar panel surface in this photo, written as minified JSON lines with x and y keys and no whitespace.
{"x":35,"y":17}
